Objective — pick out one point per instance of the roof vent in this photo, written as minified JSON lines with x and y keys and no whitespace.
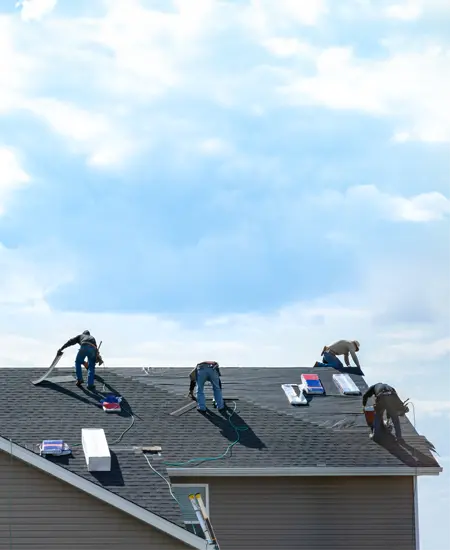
{"x":311,"y":384}
{"x":96,"y":450}
{"x":345,"y":384}
{"x":294,"y":397}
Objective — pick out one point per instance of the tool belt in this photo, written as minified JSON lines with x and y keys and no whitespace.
{"x":98,"y":358}
{"x":208,"y":364}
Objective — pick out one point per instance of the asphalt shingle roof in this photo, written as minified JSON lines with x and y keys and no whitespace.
{"x":330,"y":431}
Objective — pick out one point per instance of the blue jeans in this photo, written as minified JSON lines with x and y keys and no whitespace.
{"x":203,"y":375}
{"x":90,"y":353}
{"x":330,"y":360}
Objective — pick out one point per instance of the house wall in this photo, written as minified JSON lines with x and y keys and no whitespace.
{"x":311,"y":513}
{"x":40,"y":512}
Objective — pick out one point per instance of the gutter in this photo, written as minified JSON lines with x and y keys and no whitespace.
{"x":302,"y":472}
{"x":104,"y":495}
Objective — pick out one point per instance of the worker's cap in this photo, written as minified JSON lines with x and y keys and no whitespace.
{"x":87,"y":333}
{"x":356,"y":343}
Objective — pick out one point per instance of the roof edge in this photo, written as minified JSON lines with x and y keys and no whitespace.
{"x":104,"y":495}
{"x":302,"y":471}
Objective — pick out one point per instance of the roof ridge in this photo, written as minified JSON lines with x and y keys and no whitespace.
{"x":113,"y":367}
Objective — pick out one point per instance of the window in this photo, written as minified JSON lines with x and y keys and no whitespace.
{"x":182,"y":492}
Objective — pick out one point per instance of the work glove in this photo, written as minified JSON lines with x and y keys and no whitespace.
{"x":191,"y":395}
{"x":99,"y":360}
{"x":59,"y":352}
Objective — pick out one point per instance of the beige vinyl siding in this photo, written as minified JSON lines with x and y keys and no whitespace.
{"x":311,"y":513}
{"x":40,"y":512}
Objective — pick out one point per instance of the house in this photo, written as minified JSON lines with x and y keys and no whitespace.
{"x":276,"y":476}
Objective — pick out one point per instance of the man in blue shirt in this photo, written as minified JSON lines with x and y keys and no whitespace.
{"x":88,"y":349}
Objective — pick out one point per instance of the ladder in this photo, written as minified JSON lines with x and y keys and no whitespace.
{"x":203,"y":519}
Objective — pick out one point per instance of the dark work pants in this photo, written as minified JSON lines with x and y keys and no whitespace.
{"x":388,"y":403}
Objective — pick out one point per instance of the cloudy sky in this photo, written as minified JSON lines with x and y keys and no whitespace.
{"x":242,"y":180}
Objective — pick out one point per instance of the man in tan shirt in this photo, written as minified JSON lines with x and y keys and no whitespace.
{"x":341,"y":347}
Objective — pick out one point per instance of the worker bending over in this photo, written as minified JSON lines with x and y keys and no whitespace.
{"x":193,"y":382}
{"x":203,"y":372}
{"x":88,"y":350}
{"x":386,"y":399}
{"x":341,"y":347}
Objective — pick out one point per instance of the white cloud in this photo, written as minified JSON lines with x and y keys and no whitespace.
{"x":215,"y":147}
{"x":308,"y":13}
{"x":420,"y":208}
{"x":288,"y":47}
{"x":17,"y":69}
{"x":410,"y":85}
{"x":34,"y":10}
{"x":27,"y":277}
{"x":151,"y":49}
{"x":424,"y":207}
{"x":411,"y":10}
{"x":12,"y":175}
{"x":266,"y":17}
{"x":432,"y":408}
{"x":408,"y":11}
{"x":91,"y":133}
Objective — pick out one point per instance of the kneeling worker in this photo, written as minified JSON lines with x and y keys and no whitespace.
{"x":342,"y":347}
{"x":203,"y":372}
{"x":386,"y":399}
{"x":88,"y":349}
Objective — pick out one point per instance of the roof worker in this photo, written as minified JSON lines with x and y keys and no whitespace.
{"x":341,"y":347}
{"x":193,"y":382}
{"x":203,"y":372}
{"x":386,"y":399}
{"x":88,"y":349}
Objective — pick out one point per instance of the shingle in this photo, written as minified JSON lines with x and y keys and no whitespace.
{"x":331,"y":430}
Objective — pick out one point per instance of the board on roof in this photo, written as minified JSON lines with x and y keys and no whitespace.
{"x":184,"y":409}
{"x":49,"y":371}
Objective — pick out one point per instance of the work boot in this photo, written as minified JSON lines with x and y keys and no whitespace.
{"x":79,"y":383}
{"x":91,"y":388}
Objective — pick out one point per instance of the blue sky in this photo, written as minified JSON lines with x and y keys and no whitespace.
{"x":243,"y":179}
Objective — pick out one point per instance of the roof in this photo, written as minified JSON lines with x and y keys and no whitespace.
{"x":327,"y":437}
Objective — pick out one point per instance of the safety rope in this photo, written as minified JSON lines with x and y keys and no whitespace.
{"x":119,"y":439}
{"x":237,"y":429}
{"x":170,"y":488}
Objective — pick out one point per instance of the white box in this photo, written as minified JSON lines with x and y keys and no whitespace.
{"x":96,"y":450}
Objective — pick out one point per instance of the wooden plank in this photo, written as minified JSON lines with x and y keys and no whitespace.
{"x":184,"y":409}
